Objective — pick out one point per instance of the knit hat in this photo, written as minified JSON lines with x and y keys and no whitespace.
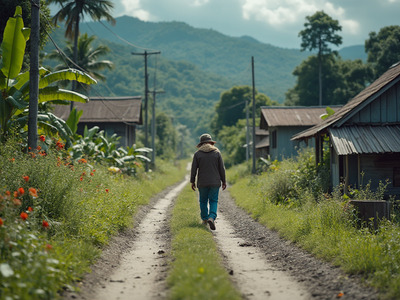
{"x":205,"y":138}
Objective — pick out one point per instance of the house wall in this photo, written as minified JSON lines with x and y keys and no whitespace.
{"x":284,"y":147}
{"x":377,"y":168}
{"x":384,"y":109}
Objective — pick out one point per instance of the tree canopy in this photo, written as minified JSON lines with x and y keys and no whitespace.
{"x":383,"y":48}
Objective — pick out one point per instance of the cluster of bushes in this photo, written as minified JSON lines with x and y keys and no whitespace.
{"x":290,"y":197}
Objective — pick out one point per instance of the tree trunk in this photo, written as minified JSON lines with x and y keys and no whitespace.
{"x":75,"y":58}
{"x":34,"y":76}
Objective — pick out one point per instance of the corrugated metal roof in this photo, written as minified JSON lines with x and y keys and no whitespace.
{"x":260,"y":131}
{"x":367,"y":95}
{"x":273,"y":116}
{"x":106,"y":109}
{"x":365,"y":139}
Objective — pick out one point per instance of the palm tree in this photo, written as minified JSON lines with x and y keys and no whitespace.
{"x":87,"y":59}
{"x":73,"y":11}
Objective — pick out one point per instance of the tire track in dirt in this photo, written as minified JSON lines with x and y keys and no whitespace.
{"x":255,"y":277}
{"x":136,"y":276}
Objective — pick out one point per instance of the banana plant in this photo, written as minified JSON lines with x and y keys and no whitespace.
{"x":14,"y":86}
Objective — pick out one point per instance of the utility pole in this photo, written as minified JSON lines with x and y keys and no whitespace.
{"x":146,"y":91}
{"x":153,"y":126}
{"x":254,"y":117}
{"x":34,"y":75}
{"x":247,"y":131}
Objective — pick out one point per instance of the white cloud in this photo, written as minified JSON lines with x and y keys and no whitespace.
{"x":133,"y":8}
{"x":200,"y":2}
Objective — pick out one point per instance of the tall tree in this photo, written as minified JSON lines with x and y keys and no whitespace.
{"x":88,"y":58}
{"x":73,"y":11}
{"x":320,"y":30}
{"x":383,"y":48}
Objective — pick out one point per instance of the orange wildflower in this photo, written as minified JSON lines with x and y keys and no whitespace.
{"x":48,"y":247}
{"x":8,"y":193}
{"x":107,"y":190}
{"x":26,"y":178}
{"x":42,"y":138}
{"x":45,"y":224}
{"x":24,"y":216}
{"x":81,"y":179}
{"x":33,"y":192}
{"x":39,"y":148}
{"x":82,"y":161}
{"x":12,"y":159}
{"x":30,"y":209}
{"x":91,"y":174}
{"x":1,"y":222}
{"x":15,"y":194}
{"x":21,"y":191}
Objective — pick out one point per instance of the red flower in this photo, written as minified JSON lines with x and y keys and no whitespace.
{"x":39,"y":148}
{"x":15,"y":194}
{"x":24,"y":216}
{"x":107,"y":190}
{"x":42,"y":138}
{"x":26,"y":178}
{"x":91,"y":174}
{"x":30,"y":209}
{"x":45,"y":224}
{"x":1,"y":222}
{"x":82,"y":161}
{"x":21,"y":191}
{"x":8,"y":193}
{"x":81,"y":179}
{"x":49,"y":247}
{"x":33,"y":192}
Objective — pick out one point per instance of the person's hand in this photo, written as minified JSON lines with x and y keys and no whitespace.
{"x":223,"y":185}
{"x":193,"y":186}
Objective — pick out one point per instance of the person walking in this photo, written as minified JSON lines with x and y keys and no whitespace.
{"x":209,"y":168}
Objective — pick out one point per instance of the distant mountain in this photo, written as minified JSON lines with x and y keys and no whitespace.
{"x":353,"y":52}
{"x":195,"y":65}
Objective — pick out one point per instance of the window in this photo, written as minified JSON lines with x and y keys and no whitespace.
{"x":396,"y":177}
{"x":273,"y":139}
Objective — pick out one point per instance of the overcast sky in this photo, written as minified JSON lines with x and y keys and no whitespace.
{"x":276,"y":22}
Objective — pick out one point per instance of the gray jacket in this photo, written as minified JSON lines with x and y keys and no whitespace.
{"x":208,"y":166}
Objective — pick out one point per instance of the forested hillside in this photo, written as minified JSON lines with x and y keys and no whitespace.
{"x":194,"y":68}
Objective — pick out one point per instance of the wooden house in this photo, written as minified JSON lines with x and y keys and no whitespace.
{"x":119,"y":115}
{"x":262,"y":143}
{"x":364,"y":136}
{"x":283,"y":122}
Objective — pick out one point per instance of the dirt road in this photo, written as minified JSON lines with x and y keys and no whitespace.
{"x":262,"y":265}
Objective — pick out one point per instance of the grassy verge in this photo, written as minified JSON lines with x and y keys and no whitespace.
{"x":56,"y":216}
{"x":326,"y":228}
{"x":196,"y":272}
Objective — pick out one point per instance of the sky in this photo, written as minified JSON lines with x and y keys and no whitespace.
{"x":276,"y":22}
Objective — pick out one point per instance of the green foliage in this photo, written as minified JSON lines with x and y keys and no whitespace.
{"x":97,"y":146}
{"x":233,"y":140}
{"x":343,"y":79}
{"x":197,"y":271}
{"x":88,"y":59}
{"x":383,"y":48}
{"x":166,"y":144}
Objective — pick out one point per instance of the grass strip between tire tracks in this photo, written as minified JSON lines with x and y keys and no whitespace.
{"x":196,"y":270}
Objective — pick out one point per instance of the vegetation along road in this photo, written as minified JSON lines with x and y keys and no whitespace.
{"x":144,"y":262}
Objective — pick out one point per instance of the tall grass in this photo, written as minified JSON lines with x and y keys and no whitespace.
{"x":49,"y":239}
{"x":196,"y":270}
{"x":323,"y":224}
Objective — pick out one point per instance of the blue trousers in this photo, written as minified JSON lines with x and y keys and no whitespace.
{"x":208,"y":202}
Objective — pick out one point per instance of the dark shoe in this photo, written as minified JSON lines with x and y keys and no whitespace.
{"x":211,"y":223}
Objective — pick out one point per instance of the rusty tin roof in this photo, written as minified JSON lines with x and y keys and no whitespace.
{"x":106,"y":110}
